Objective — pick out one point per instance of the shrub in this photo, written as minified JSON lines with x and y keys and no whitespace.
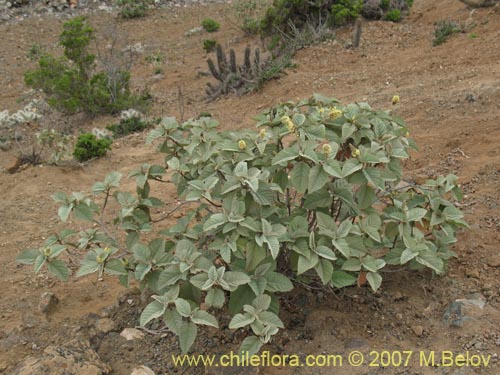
{"x":133,"y":8}
{"x":345,"y":11}
{"x":317,"y":191}
{"x":209,"y":45}
{"x":70,"y":82}
{"x":88,"y":146}
{"x":385,"y":4}
{"x":210,"y":25}
{"x":393,"y":15}
{"x":443,"y":30}
{"x":134,"y":124}
{"x":57,"y":143}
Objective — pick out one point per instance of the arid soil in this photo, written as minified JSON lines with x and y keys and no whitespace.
{"x":450,"y":98}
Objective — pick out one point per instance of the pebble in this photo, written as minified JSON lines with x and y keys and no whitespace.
{"x":105,"y":325}
{"x":48,"y":301}
{"x":142,"y":370}
{"x":418,"y":330}
{"x":493,"y":260}
{"x":132,"y":334}
{"x":473,"y":273}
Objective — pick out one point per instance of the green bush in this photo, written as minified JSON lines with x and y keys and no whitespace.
{"x":88,"y":147}
{"x":133,"y":8}
{"x":345,"y":11}
{"x":210,"y":25}
{"x":284,"y":15}
{"x":385,"y":4}
{"x":70,"y":81}
{"x":314,"y":196}
{"x":393,"y":15}
{"x":127,"y":126}
{"x":443,"y":30}
{"x":209,"y":45}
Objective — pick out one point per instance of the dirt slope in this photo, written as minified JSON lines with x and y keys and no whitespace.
{"x":450,"y":99}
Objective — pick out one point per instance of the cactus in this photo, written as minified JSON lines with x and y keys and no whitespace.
{"x":231,"y":76}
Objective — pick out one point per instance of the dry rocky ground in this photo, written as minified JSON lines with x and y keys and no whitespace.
{"x":450,"y":98}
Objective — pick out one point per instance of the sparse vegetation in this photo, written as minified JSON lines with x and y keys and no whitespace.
{"x":133,"y":8}
{"x":156,"y":59}
{"x":58,"y":144}
{"x":249,"y":13}
{"x":88,"y":146}
{"x":209,"y":45}
{"x":444,"y":30}
{"x":210,"y":25}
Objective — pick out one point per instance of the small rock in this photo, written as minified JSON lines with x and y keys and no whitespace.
{"x":398,"y":296}
{"x":417,"y":330}
{"x":142,"y":370}
{"x":105,"y":325}
{"x":473,"y":273}
{"x":463,"y":310}
{"x":132,"y":334}
{"x":48,"y":302}
{"x":493,"y":261}
{"x":10,"y":163}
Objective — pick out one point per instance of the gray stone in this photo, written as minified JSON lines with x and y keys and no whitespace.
{"x":462,"y":310}
{"x":48,"y":302}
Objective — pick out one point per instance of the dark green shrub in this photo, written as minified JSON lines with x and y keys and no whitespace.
{"x":133,"y":8}
{"x":443,"y":30}
{"x":209,"y":45}
{"x":393,"y":15}
{"x":88,"y":147}
{"x":128,"y":126}
{"x":210,"y":25}
{"x":70,"y":81}
{"x":385,"y":4}
{"x":345,"y":11}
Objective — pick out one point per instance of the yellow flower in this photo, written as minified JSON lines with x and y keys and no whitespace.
{"x":407,"y":134}
{"x":327,"y":149}
{"x":47,"y":251}
{"x":395,"y":99}
{"x":321,"y":110}
{"x":242,"y":144}
{"x":99,"y":259}
{"x":262,"y":133}
{"x":107,"y":250}
{"x":356,"y":152}
{"x":335,"y":113}
{"x":289,"y":123}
